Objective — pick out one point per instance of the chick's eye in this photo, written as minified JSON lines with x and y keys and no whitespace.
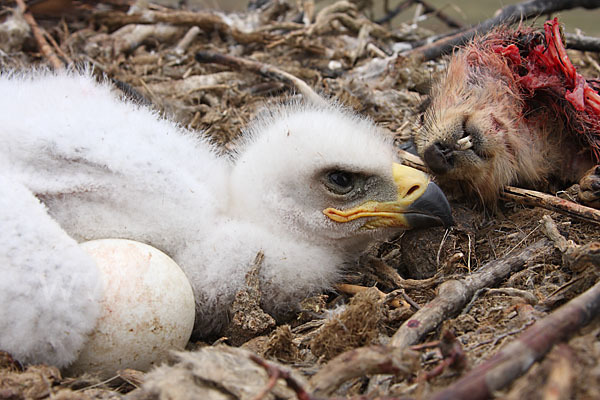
{"x":340,"y":178}
{"x":340,"y":182}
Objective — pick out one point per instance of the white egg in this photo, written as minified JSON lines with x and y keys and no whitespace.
{"x":147,"y":309}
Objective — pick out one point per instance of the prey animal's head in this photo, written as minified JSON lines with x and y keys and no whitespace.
{"x":327,"y":175}
{"x":476,"y":135}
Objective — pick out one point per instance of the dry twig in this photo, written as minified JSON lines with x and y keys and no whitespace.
{"x":204,"y":20}
{"x":576,"y":257}
{"x":38,"y":34}
{"x":453,"y":356}
{"x":454,"y":294}
{"x":561,"y":378}
{"x":550,"y":202}
{"x":275,"y":373}
{"x":263,"y":69}
{"x":360,"y":362}
{"x":516,"y":358}
{"x":351,"y":289}
{"x":582,"y":43}
{"x":428,"y":8}
{"x":508,"y":15}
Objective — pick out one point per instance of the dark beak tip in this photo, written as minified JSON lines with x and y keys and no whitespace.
{"x":431,"y":209}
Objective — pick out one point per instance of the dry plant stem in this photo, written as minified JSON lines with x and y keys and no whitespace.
{"x":265,"y":70}
{"x":508,"y":15}
{"x":576,"y":257}
{"x":392,"y":13}
{"x":38,"y":34}
{"x":549,"y":202}
{"x":361,"y":362}
{"x":429,"y":9}
{"x":130,"y":37}
{"x":551,"y":231}
{"x":277,"y":373}
{"x":561,"y":378}
{"x":411,"y":160}
{"x":402,"y":283}
{"x":516,"y":358}
{"x":203,"y":20}
{"x":350,"y":289}
{"x":188,"y":38}
{"x":454,"y":294}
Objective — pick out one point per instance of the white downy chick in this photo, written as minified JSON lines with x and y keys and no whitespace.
{"x":310,"y":186}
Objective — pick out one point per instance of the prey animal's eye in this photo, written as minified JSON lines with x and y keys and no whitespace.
{"x":340,"y":182}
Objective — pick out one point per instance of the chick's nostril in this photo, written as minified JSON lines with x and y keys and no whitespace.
{"x":412,"y":190}
{"x":438,"y":158}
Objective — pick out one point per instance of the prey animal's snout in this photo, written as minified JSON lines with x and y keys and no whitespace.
{"x":439,"y":157}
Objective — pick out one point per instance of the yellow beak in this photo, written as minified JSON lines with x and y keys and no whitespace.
{"x":420,"y":203}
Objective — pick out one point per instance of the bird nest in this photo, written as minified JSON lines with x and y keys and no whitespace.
{"x":431,"y":310}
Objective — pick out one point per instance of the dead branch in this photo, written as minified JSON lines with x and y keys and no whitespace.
{"x":392,"y":301}
{"x":38,"y":34}
{"x":49,"y":7}
{"x":550,"y":202}
{"x":508,"y":15}
{"x":516,"y":358}
{"x":361,"y":362}
{"x":429,"y":9}
{"x":576,"y":257}
{"x":561,"y":378}
{"x":454,"y":294}
{"x":187,"y":39}
{"x":275,"y":373}
{"x":263,"y":69}
{"x":130,"y":37}
{"x":206,"y":21}
{"x":392,"y":277}
{"x":453,"y":356}
{"x":582,"y":43}
{"x":391,"y":14}
{"x":411,"y":160}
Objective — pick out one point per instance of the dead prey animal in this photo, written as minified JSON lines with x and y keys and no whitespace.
{"x":512,"y":109}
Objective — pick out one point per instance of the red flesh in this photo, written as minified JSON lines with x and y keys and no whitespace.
{"x":548,"y":67}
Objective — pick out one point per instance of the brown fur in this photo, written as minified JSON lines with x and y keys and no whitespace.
{"x":509,"y":136}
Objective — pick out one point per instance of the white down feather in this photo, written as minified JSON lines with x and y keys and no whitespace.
{"x":79,"y":163}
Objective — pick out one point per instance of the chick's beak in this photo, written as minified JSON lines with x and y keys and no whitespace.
{"x":420,"y":203}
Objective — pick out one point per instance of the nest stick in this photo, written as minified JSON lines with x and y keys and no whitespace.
{"x":204,"y":20}
{"x":576,"y":257}
{"x":38,"y":34}
{"x":263,"y":69}
{"x":360,"y":362}
{"x":411,"y":160}
{"x":508,"y":15}
{"x":274,"y":373}
{"x":454,"y":294}
{"x":429,"y":9}
{"x":516,"y":358}
{"x":553,"y":203}
{"x":582,"y":43}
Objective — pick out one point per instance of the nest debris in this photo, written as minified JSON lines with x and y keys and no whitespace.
{"x":153,"y":53}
